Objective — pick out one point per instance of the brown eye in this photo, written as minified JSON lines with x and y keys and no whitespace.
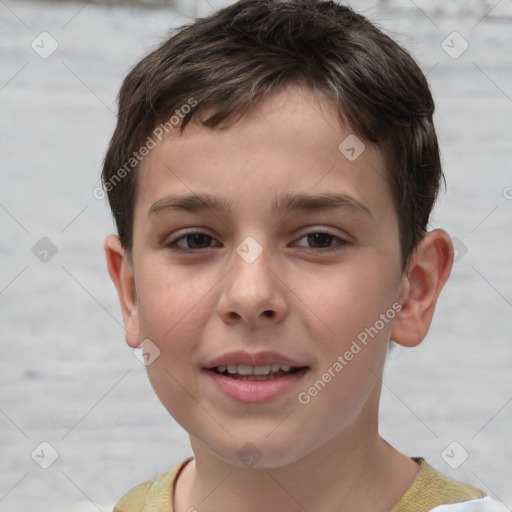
{"x":198,"y":241}
{"x":320,"y":240}
{"x":192,"y":242}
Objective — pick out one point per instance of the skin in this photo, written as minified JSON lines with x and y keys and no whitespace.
{"x":324,"y":455}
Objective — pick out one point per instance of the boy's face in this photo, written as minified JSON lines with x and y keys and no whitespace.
{"x":304,"y":298}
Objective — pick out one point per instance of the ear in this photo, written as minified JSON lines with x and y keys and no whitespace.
{"x":423,"y":280}
{"x":120,"y":269}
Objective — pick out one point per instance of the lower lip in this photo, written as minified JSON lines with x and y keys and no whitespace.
{"x":256,"y":391}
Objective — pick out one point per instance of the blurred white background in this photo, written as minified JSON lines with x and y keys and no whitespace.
{"x":67,"y":377}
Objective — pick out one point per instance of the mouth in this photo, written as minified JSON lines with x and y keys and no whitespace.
{"x":258,"y":377}
{"x":256,"y":373}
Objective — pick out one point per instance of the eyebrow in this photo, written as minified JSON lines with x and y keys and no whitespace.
{"x":283,"y":203}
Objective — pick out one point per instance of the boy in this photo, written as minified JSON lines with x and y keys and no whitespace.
{"x":296,"y":142}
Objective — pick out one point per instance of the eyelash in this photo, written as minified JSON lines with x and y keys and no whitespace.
{"x":338,"y":246}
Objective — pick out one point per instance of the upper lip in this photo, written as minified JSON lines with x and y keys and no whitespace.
{"x":256,"y":359}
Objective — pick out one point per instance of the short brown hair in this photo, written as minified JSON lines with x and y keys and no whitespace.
{"x":233,"y":58}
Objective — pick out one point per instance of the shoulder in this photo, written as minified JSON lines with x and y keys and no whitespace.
{"x":435,"y":491}
{"x":135,"y":499}
{"x":154,"y":493}
{"x":486,"y":504}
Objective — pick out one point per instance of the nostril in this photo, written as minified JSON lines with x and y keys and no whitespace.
{"x":268,"y":313}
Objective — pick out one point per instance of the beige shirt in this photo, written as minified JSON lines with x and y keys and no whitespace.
{"x":429,"y":490}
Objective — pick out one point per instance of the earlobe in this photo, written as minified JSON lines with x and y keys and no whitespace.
{"x":426,"y":274}
{"x":122,"y":275}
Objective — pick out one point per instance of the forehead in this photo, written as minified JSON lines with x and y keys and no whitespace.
{"x":293,"y":141}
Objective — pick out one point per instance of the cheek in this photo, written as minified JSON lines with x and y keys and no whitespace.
{"x":171,"y":301}
{"x":351,"y":342}
{"x":343,"y":302}
{"x":173,"y":310}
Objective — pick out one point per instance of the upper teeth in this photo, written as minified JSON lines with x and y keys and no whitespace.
{"x":243,"y":369}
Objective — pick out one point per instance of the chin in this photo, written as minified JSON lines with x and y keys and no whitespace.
{"x":257,"y":452}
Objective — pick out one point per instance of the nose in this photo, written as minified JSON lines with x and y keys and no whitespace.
{"x":252,"y":294}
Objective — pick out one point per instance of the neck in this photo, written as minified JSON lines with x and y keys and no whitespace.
{"x":366,"y":476}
